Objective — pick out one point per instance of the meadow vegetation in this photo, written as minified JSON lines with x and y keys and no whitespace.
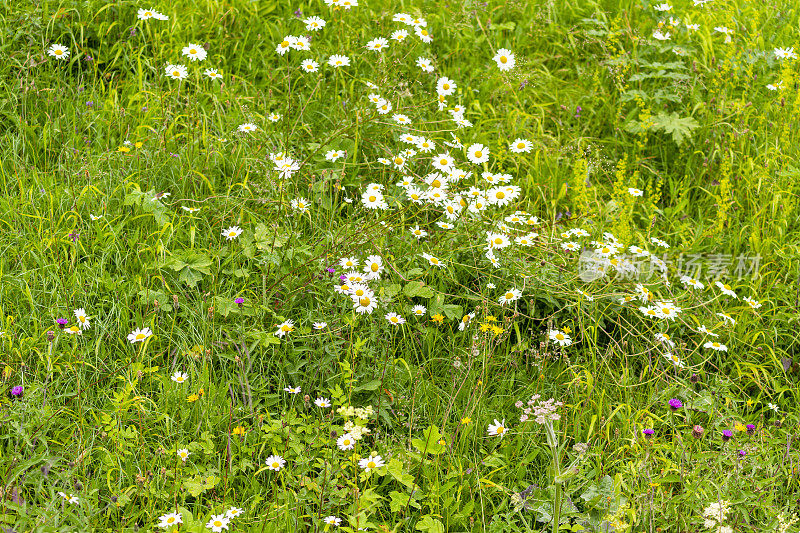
{"x":399,"y":266}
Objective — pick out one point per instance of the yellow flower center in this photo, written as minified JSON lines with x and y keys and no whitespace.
{"x":500,"y":430}
{"x":374,"y":267}
{"x":398,"y":160}
{"x":478,"y":154}
{"x":365,"y":301}
{"x":372,"y":198}
{"x":434,"y":261}
{"x":509,"y":295}
{"x":139,"y":336}
{"x":284,"y":44}
{"x":371,"y":464}
{"x":393,"y":319}
{"x":170,"y":520}
{"x":58,"y":52}
{"x":503,"y":59}
{"x":192,"y":51}
{"x":446,"y":86}
{"x":500,"y":195}
{"x":560,"y":336}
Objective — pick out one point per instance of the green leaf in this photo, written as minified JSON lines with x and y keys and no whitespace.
{"x":398,"y":472}
{"x":672,"y":124}
{"x":400,"y":500}
{"x":429,"y":443}
{"x":418,"y":288}
{"x":370,"y":386}
{"x":430,"y":524}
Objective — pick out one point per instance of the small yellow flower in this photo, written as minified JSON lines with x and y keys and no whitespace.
{"x":138,"y":144}
{"x":466,"y":420}
{"x":438,"y":318}
{"x":567,"y":330}
{"x":485,"y":327}
{"x":201,"y":392}
{"x":480,"y":382}
{"x":491,"y":319}
{"x":192,"y":398}
{"x":239,"y":430}
{"x":442,"y":442}
{"x":123,"y":149}
{"x":738,"y":426}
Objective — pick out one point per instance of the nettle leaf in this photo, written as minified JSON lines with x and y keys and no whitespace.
{"x":679,"y":127}
{"x":429,"y":443}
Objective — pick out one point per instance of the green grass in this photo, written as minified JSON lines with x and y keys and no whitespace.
{"x":605,"y":106}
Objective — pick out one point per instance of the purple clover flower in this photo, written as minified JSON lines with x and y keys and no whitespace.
{"x":727,"y":434}
{"x":62,"y":322}
{"x":239,"y":301}
{"x":750,"y":429}
{"x":675,"y":404}
{"x":648,"y":433}
{"x":331,"y":270}
{"x":17,"y":391}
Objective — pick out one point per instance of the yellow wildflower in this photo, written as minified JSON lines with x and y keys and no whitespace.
{"x":239,"y":430}
{"x":192,"y":398}
{"x":438,"y":318}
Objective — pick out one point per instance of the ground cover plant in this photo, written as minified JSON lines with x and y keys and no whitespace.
{"x":399,"y":266}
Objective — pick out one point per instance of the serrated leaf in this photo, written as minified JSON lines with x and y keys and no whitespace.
{"x":679,"y":127}
{"x":369,"y":386}
{"x":429,"y":443}
{"x":430,"y":525}
{"x":397,"y":471}
{"x":419,"y":289}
